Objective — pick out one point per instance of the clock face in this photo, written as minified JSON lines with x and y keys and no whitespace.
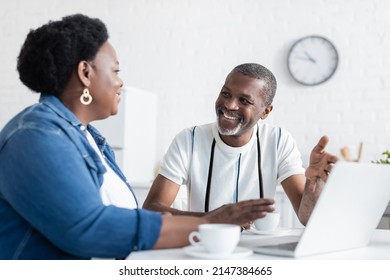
{"x":312,"y":60}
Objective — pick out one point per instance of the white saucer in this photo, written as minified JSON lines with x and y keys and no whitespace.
{"x":200,"y":252}
{"x":277,"y":231}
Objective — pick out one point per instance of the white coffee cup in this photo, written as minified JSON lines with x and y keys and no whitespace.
{"x":268,"y":223}
{"x":216,"y":238}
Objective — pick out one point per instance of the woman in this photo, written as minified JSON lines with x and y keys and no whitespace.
{"x":62,"y":196}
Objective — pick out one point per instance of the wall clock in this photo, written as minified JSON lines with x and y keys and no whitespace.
{"x":312,"y":60}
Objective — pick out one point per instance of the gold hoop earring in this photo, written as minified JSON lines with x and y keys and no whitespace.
{"x":86,"y":97}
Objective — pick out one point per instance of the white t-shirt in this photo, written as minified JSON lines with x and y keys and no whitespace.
{"x":113,"y":191}
{"x":235,"y":169}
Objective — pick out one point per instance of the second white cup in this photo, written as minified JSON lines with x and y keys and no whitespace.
{"x":268,"y":223}
{"x":216,"y":238}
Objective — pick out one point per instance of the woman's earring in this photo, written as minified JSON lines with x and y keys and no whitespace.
{"x":86,"y":97}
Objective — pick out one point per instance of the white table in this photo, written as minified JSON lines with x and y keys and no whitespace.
{"x":377,"y":249}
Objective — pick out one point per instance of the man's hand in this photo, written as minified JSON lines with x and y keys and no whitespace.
{"x":321,"y":163}
{"x":241,"y":213}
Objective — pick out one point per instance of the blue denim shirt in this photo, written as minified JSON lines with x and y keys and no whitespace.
{"x":50,"y":205}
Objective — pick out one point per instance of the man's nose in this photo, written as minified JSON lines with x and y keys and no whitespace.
{"x":231,"y":104}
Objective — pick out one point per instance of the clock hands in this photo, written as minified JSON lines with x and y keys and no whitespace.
{"x":306,"y":57}
{"x":309,"y":57}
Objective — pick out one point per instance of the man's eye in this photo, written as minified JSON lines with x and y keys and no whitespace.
{"x":245,"y":101}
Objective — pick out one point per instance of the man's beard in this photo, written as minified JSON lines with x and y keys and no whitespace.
{"x":227,"y":131}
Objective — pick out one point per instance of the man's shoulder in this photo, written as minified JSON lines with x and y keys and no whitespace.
{"x":269,"y":132}
{"x":197,"y":134}
{"x":271,"y":128}
{"x":207,"y":127}
{"x":203,"y":129}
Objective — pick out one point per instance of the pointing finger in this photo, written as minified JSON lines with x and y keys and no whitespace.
{"x":320,"y":147}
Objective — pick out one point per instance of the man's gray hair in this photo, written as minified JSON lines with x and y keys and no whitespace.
{"x":260,"y":72}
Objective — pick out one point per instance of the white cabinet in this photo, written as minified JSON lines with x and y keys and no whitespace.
{"x":132,"y":134}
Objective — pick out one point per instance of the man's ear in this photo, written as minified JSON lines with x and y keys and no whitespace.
{"x":266,"y":112}
{"x":83,"y":72}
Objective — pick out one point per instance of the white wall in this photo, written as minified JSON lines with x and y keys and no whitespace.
{"x":183,"y":49}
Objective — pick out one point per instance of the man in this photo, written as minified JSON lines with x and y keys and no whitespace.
{"x":239,"y":157}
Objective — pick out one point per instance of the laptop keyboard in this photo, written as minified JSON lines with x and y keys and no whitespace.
{"x":285,"y":246}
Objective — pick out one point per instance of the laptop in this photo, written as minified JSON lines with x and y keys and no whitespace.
{"x":347,"y":212}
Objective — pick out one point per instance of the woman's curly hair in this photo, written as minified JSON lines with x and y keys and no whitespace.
{"x":52,"y":52}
